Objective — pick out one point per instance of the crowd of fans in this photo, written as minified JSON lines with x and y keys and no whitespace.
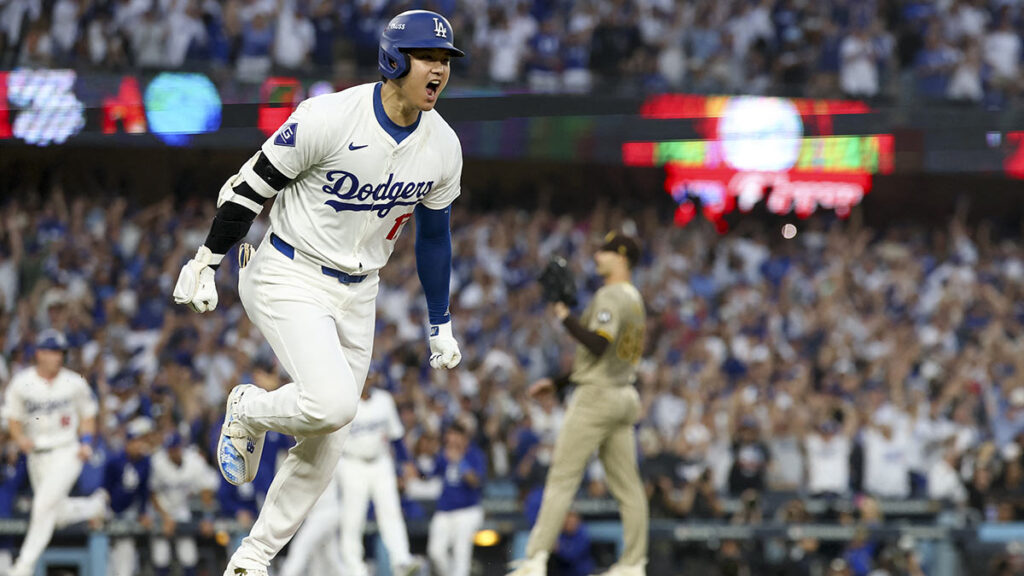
{"x":843,"y":362}
{"x":962,"y":50}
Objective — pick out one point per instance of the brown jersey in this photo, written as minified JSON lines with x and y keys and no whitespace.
{"x":617,"y":314}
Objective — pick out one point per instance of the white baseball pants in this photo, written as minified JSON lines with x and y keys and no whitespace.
{"x":317,"y":539}
{"x":184,"y":547}
{"x":6,"y":561}
{"x":450,"y":540}
{"x":53,"y":474}
{"x":124,"y":557}
{"x":362,"y":482}
{"x":322,"y":332}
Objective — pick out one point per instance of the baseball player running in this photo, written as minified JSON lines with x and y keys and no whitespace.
{"x":315,"y":550}
{"x":52,"y":417}
{"x":349,"y":170}
{"x":601,"y":413}
{"x":365,"y":473}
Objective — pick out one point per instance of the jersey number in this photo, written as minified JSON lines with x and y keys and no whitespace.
{"x":399,"y":222}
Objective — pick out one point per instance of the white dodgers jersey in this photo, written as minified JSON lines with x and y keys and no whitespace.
{"x":375,"y":426}
{"x":353,"y":187}
{"x":49,"y":411}
{"x":173,"y":485}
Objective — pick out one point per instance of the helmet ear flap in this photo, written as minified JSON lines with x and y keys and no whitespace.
{"x":393,"y":63}
{"x":408,"y":64}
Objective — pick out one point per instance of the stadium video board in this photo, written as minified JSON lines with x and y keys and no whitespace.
{"x":48,"y":107}
{"x":757,"y":149}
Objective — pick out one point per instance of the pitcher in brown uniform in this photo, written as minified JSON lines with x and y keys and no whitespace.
{"x":601,"y":413}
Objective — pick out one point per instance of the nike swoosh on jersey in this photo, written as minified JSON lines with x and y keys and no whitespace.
{"x":352,"y":146}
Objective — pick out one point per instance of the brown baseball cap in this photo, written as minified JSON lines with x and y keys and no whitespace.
{"x":622,"y":244}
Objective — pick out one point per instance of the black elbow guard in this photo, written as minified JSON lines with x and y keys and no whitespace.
{"x":230,"y":225}
{"x":269,"y":174}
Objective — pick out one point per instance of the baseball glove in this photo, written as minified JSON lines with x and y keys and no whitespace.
{"x":557,"y":283}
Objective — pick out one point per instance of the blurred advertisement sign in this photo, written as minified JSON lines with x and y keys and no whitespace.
{"x":43,"y":105}
{"x":180,"y":105}
{"x":125,"y":110}
{"x":46,"y":107}
{"x":278,"y":97}
{"x":757,"y":149}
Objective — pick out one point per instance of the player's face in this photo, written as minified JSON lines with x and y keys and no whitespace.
{"x":49,"y":361}
{"x":607,"y":262}
{"x":428,"y":75}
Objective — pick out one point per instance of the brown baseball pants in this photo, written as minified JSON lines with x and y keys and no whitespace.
{"x":599,"y":419}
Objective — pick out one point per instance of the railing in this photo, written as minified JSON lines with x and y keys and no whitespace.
{"x":942,"y":539}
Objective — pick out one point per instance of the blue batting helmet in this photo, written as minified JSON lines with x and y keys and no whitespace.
{"x":413,"y":29}
{"x":51,"y":339}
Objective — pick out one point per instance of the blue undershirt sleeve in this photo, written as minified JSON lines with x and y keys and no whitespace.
{"x":434,"y":259}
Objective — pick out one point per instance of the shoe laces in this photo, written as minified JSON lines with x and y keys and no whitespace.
{"x":235,"y":429}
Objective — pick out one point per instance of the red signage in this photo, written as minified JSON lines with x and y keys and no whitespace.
{"x":5,"y":111}
{"x":125,"y":108}
{"x":278,"y":97}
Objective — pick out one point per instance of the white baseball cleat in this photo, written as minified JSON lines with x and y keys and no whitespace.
{"x":536,"y":565}
{"x":239,"y":450}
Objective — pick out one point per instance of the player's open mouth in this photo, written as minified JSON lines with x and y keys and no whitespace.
{"x":432,"y":89}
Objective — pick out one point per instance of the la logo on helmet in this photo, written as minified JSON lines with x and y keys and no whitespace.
{"x":440,"y":31}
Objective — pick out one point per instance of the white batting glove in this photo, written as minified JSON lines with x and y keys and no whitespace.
{"x":196,"y":287}
{"x":444,"y":350}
